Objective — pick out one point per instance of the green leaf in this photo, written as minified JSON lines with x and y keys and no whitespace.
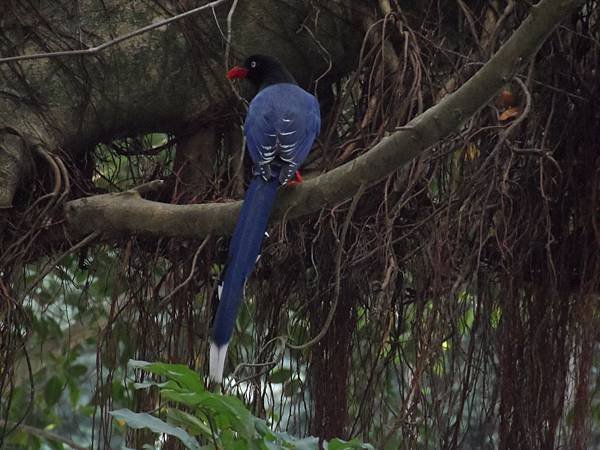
{"x":280,"y":376}
{"x":338,"y":444}
{"x":180,"y":373}
{"x":74,"y":392}
{"x":55,"y":445}
{"x":230,"y":410}
{"x":189,"y":422}
{"x":187,"y":398}
{"x":143,"y":420}
{"x":232,"y":426}
{"x":77,"y":370}
{"x":53,"y":390}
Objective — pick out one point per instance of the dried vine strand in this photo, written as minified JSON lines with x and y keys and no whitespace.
{"x":192,"y":270}
{"x":89,"y":238}
{"x":338,"y":268}
{"x":265,"y":365}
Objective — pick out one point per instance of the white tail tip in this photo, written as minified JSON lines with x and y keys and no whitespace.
{"x":217,"y":361}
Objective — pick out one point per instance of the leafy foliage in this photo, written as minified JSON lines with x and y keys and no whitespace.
{"x":219,"y":421}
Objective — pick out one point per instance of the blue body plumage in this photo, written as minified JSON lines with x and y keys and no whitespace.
{"x":282,"y":123}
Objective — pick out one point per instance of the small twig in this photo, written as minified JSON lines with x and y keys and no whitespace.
{"x":328,"y":58}
{"x":226,"y":56}
{"x":15,"y":425}
{"x":50,"y":266}
{"x":229,"y":32}
{"x":119,"y":149}
{"x":163,"y":302}
{"x":98,"y":48}
{"x":470,"y":20}
{"x":338,"y":264}
{"x":499,"y":26}
{"x":528,"y":151}
{"x":266,"y":365}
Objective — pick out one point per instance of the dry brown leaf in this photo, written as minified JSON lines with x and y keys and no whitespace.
{"x":510,"y":113}
{"x":471,"y":152}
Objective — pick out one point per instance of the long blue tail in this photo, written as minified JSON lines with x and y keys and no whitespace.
{"x":244,"y":249}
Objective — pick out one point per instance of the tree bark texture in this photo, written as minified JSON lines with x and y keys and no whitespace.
{"x":107,"y":214}
{"x":163,"y":80}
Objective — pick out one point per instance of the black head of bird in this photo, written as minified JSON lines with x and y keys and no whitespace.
{"x":262,"y":71}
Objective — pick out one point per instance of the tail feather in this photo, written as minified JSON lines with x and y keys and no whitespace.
{"x":244,"y":249}
{"x":217,"y":361}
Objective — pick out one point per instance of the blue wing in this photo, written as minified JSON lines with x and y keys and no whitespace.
{"x":281,"y":125}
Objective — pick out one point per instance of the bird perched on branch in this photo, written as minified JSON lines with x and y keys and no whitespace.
{"x":282,"y":123}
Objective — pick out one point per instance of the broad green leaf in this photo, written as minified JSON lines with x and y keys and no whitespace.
{"x":280,"y":376}
{"x":74,"y":392}
{"x":338,"y":444}
{"x":144,"y":420}
{"x":77,"y":370}
{"x":189,"y":422}
{"x":187,"y":398}
{"x":180,"y":373}
{"x":231,"y":410}
{"x":53,"y":390}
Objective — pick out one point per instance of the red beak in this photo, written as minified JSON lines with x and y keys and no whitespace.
{"x":237,"y":72}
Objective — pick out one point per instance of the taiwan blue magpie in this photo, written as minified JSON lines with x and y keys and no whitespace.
{"x":281,"y":125}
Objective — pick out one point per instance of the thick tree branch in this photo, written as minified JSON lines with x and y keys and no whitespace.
{"x":129,"y":213}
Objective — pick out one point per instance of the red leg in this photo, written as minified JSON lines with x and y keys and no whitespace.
{"x":297,"y":179}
